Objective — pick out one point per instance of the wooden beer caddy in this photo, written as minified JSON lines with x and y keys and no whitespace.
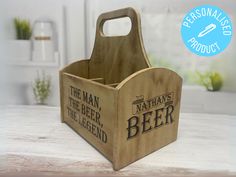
{"x":116,"y":101}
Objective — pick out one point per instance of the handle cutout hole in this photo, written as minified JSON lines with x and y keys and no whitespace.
{"x":117,"y":27}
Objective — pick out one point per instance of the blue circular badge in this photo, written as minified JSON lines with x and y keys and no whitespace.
{"x":206,"y":30}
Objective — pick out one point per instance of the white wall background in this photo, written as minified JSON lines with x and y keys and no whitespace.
{"x":161,"y":24}
{"x":68,"y":16}
{"x":76,"y":20}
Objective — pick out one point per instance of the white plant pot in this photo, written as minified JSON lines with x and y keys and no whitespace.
{"x":19,"y":50}
{"x":43,"y":51}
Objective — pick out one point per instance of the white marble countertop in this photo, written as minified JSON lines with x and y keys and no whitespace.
{"x":34,"y":141}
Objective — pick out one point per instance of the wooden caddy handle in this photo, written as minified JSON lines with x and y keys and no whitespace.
{"x":121,"y":54}
{"x":127,"y":12}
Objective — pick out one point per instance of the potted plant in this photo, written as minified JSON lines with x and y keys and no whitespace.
{"x":20,"y":48}
{"x":211,"y":80}
{"x":23,"y":29}
{"x":41,"y":88}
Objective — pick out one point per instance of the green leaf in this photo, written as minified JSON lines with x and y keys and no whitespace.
{"x":23,"y":29}
{"x":212,"y":81}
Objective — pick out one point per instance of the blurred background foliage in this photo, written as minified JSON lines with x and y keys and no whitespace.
{"x":210,"y":79}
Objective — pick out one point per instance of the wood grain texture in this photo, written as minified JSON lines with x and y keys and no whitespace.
{"x":35,"y":143}
{"x":99,"y":96}
{"x":107,"y":111}
{"x":78,"y":68}
{"x":116,"y":57}
{"x":156,"y":82}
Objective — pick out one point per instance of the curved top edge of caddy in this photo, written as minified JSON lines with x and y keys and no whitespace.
{"x":77,"y":69}
{"x":120,"y":85}
{"x":115,"y":59}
